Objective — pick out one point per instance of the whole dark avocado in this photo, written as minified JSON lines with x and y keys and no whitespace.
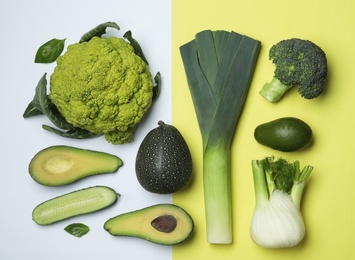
{"x":163,"y":162}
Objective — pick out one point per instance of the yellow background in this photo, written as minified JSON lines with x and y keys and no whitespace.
{"x":328,"y":204}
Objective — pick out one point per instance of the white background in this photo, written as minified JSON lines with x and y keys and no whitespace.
{"x":24,"y":26}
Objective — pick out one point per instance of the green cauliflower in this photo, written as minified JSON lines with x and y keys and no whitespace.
{"x":102,"y":86}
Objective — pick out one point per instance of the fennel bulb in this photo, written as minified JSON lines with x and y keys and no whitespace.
{"x":277,"y":221}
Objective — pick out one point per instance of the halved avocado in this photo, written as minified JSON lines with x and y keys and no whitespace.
{"x":164,"y":224}
{"x":61,"y":165}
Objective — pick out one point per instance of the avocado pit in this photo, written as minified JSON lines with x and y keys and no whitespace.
{"x":166,"y":223}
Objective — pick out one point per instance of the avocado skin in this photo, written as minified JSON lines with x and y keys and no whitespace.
{"x":285,"y":134}
{"x":138,"y":224}
{"x":163,"y":162}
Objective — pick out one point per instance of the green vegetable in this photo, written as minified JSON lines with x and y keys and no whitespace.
{"x":298,"y":63}
{"x":285,"y":134}
{"x":277,"y":221}
{"x":100,"y":86}
{"x":163,"y":162}
{"x":164,"y":224}
{"x":49,"y":51}
{"x":72,"y":204}
{"x":77,"y":229}
{"x":60,"y":165}
{"x":219,"y":66}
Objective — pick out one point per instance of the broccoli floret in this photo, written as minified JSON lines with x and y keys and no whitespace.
{"x":298,"y":63}
{"x":102,"y":86}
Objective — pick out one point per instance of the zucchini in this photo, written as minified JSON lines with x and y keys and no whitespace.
{"x":73,"y":204}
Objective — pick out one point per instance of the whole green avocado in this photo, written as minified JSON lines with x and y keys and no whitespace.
{"x":285,"y":134}
{"x":163,"y":162}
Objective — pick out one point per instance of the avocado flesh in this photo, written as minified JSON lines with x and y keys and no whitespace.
{"x":61,"y":165}
{"x":139,"y":224}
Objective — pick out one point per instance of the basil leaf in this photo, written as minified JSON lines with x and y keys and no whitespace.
{"x":49,"y":51}
{"x":98,"y":31}
{"x":137,"y":48}
{"x":77,"y":229}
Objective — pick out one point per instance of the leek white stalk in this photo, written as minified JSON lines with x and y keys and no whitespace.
{"x":277,"y":221}
{"x":219,"y":66}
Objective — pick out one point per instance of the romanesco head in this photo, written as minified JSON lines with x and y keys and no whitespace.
{"x":102,"y":86}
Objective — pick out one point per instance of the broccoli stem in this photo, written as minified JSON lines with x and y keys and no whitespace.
{"x":274,"y":90}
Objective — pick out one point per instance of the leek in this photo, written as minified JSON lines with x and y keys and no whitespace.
{"x":219,"y":66}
